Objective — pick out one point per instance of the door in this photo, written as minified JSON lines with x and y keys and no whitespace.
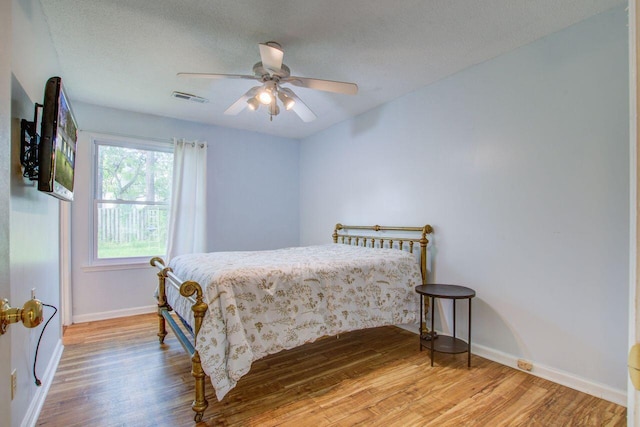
{"x":5,"y":155}
{"x":633,"y":395}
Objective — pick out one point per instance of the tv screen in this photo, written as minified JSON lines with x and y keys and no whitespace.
{"x":58,"y":136}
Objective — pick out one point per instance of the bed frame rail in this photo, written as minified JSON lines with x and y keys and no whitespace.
{"x":182,"y":338}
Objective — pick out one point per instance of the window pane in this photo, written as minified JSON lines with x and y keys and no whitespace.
{"x":133,"y":174}
{"x":131,"y":230}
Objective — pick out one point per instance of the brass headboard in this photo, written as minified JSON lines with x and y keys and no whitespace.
{"x":340,"y":236}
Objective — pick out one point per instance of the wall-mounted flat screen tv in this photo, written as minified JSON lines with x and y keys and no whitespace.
{"x":58,"y":137}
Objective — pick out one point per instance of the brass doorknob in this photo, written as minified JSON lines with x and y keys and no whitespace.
{"x":31,"y":314}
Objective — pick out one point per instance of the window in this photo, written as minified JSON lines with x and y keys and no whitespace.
{"x":131,"y":199}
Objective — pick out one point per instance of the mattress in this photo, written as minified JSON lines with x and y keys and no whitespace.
{"x":262,"y":302}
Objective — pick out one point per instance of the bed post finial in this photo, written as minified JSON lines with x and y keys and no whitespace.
{"x":335,"y":232}
{"x":156,"y":259}
{"x":427,"y":229}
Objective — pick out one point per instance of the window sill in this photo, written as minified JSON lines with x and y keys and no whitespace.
{"x":123,"y":265}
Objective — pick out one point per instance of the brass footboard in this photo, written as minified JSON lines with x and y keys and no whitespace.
{"x":199,"y":307}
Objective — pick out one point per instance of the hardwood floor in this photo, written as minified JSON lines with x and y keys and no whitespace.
{"x":115,"y":373}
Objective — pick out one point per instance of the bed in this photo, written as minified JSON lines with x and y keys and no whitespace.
{"x":236,"y":307}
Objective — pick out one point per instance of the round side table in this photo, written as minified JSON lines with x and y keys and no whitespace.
{"x":445,"y":343}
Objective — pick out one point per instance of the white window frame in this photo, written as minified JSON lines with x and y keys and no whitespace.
{"x":100,"y":264}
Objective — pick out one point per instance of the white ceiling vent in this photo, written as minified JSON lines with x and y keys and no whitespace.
{"x":189,"y":97}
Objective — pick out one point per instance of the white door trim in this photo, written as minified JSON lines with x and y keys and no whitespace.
{"x":633,"y":396}
{"x":66,"y":306}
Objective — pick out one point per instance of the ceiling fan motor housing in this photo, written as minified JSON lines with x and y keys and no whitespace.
{"x":264,"y":74}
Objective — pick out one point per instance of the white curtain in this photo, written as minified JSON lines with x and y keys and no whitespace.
{"x":187,"y":218}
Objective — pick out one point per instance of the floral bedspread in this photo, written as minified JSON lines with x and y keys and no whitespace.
{"x":262,"y":302}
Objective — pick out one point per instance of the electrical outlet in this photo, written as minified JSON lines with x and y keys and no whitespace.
{"x":33,"y":293}
{"x":14,"y":383}
{"x":525,"y":365}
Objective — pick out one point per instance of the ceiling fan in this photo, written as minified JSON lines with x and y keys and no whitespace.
{"x":272,"y":73}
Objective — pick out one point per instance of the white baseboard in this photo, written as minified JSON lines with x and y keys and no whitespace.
{"x":558,"y":376}
{"x":92,"y":317}
{"x":33,"y":412}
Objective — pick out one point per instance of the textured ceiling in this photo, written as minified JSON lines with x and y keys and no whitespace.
{"x":126,"y":53}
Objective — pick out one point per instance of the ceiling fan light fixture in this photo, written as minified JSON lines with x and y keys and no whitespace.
{"x":268,"y":92}
{"x":265,"y":96}
{"x":253,"y":103}
{"x":286,"y":100}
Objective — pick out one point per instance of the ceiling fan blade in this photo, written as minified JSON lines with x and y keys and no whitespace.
{"x":241,"y":103}
{"x":325,"y":85}
{"x":271,"y":56}
{"x":216,"y":76}
{"x":300,"y":108}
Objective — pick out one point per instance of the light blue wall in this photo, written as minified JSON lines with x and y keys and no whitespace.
{"x":521,"y":164}
{"x":34,"y":216}
{"x":252,"y":201}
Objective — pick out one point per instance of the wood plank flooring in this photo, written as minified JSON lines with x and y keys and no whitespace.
{"x":115,"y":373}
